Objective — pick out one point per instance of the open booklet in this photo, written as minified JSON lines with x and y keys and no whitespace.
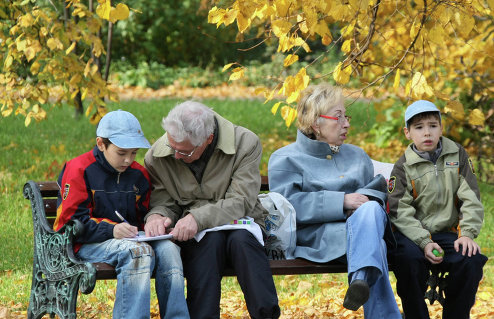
{"x":142,"y":237}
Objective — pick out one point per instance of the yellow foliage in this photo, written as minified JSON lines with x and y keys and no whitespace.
{"x":342,"y":76}
{"x":274,"y":109}
{"x":237,"y":74}
{"x":456,"y":110}
{"x":477,"y":117}
{"x":290,"y":59}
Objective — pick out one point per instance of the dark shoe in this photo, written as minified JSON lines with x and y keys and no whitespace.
{"x":356,"y":295}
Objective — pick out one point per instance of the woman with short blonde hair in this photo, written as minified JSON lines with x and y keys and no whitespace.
{"x":339,"y":203}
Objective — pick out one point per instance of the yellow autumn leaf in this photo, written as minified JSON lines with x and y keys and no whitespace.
{"x":418,"y":86}
{"x":455,"y":108}
{"x":70,"y":48}
{"x":21,"y":44}
{"x":237,"y":74}
{"x":7,"y":112}
{"x":242,"y":22}
{"x":230,"y":16}
{"x":226,"y":67}
{"x":288,"y":114}
{"x":95,"y":118}
{"x":396,"y":82}
{"x":103,"y":9}
{"x":27,"y":121}
{"x":215,"y":15}
{"x":8,"y":61}
{"x":54,"y":43}
{"x":290,"y":59}
{"x":274,"y":109}
{"x":476,"y":118}
{"x":26,"y":20}
{"x":75,"y":79}
{"x":30,"y":53}
{"x":347,"y":46}
{"x":120,"y":12}
{"x":281,"y":27}
{"x":342,"y":76}
{"x":326,"y":39}
{"x":491,"y":4}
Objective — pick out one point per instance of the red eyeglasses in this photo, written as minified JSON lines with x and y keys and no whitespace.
{"x":341,"y":119}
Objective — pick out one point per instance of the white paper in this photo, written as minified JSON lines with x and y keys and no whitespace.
{"x":142,"y":237}
{"x":251,"y":227}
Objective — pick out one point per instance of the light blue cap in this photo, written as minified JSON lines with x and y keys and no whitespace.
{"x":420,"y":106}
{"x":122,"y":129}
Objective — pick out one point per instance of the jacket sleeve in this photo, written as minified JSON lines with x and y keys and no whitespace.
{"x":241,"y":195}
{"x":161,"y":202}
{"x":376,"y":188}
{"x":401,"y":209}
{"x":312,"y":207}
{"x":471,"y":209}
{"x":75,"y":201}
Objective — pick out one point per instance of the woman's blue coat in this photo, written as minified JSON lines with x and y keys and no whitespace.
{"x":315,"y":181}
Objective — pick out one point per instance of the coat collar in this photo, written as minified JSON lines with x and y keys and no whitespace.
{"x":226,"y":139}
{"x":449,"y":147}
{"x":313,"y":147}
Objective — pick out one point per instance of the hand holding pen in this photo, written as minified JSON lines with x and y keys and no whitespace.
{"x":124,"y":229}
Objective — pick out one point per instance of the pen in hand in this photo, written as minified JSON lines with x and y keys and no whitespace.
{"x":121,"y":217}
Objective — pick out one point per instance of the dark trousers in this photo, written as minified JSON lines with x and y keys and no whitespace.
{"x":412,"y":271}
{"x":204,"y":263}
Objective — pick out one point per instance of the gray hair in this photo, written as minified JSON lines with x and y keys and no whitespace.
{"x":316,"y":100}
{"x":189,"y":121}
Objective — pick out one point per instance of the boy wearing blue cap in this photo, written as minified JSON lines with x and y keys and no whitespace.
{"x":108,"y":191}
{"x":434,"y":204}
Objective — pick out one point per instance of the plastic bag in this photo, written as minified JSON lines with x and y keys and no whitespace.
{"x":280,"y":226}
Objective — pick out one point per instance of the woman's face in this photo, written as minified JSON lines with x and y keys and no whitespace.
{"x":333,"y":131}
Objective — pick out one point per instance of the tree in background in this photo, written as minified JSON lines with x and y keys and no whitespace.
{"x":52,"y":51}
{"x":391,"y":50}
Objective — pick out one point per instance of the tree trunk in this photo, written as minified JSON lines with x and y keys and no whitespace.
{"x":79,"y":106}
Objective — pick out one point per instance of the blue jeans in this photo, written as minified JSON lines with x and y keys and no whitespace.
{"x":367,"y":248}
{"x":134,"y":263}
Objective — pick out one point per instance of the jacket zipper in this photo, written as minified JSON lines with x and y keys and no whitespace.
{"x":118,"y":178}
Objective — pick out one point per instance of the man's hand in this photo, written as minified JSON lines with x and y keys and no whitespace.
{"x":185,"y":228}
{"x":156,"y":225}
{"x":429,"y":255}
{"x":467,"y":246}
{"x":353,"y":201}
{"x":124,"y":230}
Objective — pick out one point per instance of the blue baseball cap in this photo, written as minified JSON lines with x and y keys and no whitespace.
{"x":420,"y":106}
{"x":122,"y":129}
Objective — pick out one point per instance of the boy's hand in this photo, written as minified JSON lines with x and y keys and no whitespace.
{"x":156,"y":225}
{"x":468,"y":245}
{"x":430,"y":256}
{"x":124,"y":230}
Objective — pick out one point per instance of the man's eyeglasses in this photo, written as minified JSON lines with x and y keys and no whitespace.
{"x":341,"y":119}
{"x":182,"y":153}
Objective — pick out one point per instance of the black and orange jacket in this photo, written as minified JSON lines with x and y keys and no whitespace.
{"x":91,"y":190}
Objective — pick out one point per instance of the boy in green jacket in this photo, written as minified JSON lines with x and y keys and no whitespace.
{"x":435,"y":207}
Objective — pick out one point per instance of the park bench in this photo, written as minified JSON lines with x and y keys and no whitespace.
{"x":58,"y":275}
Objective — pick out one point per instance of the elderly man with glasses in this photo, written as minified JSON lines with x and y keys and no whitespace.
{"x":205,"y":173}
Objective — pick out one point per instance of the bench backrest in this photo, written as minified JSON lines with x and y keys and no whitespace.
{"x":49,"y":189}
{"x":49,"y":192}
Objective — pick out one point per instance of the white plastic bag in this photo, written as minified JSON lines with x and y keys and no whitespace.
{"x":280,"y":226}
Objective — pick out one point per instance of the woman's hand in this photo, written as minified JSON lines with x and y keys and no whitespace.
{"x":353,"y":201}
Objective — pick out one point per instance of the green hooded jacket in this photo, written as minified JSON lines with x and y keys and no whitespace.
{"x":427,"y":198}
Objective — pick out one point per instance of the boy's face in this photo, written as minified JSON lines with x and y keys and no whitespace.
{"x":424,"y":133}
{"x":119,"y":158}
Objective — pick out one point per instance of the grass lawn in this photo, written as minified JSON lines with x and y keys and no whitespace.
{"x":38,"y":152}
